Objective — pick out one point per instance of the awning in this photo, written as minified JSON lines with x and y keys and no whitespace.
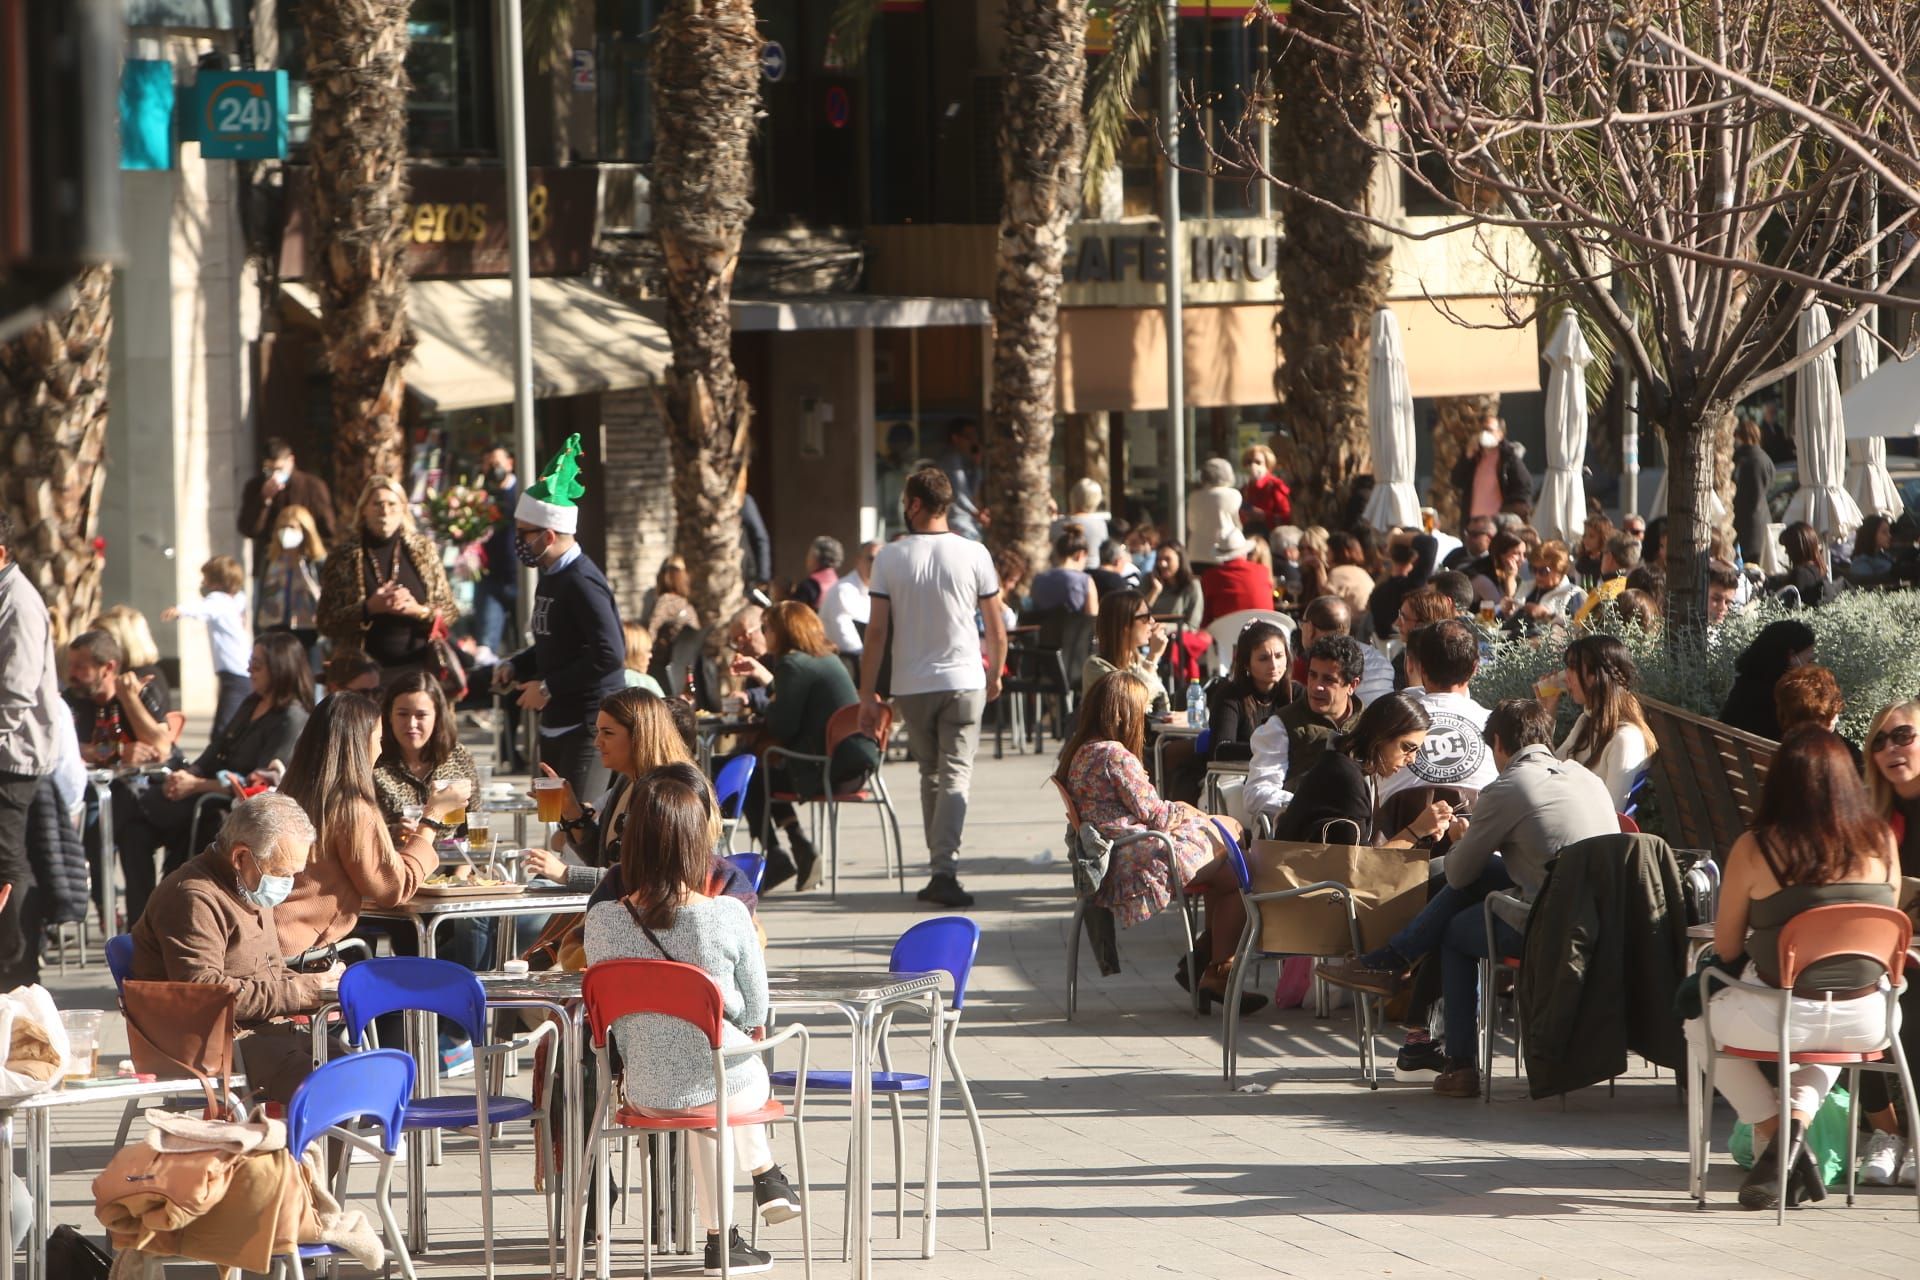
{"x":1448,"y":357}
{"x":795,"y":313}
{"x":584,"y":341}
{"x":1885,"y":403}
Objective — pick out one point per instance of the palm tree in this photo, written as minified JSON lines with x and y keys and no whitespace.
{"x":1042,"y":140}
{"x":53,"y":437}
{"x":706,"y":91}
{"x":356,"y":67}
{"x":1333,"y":270}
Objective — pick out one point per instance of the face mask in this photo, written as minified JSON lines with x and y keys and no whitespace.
{"x":527,"y":554}
{"x":283,"y":475}
{"x":1488,"y":440}
{"x":271,"y":892}
{"x":1143,"y":561}
{"x":291,"y":538}
{"x":496,"y":476}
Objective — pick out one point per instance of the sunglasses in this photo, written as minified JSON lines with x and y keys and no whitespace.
{"x":1143,"y":617}
{"x":1901,"y":735}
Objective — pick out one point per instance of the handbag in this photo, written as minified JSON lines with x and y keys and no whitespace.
{"x":443,"y":662}
{"x":1388,"y":887}
{"x":182,"y":1028}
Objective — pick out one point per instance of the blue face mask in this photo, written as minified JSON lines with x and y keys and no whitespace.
{"x":271,"y":891}
{"x":1143,"y":561}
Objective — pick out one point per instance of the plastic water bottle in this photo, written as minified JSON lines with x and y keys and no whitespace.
{"x":1196,"y":706}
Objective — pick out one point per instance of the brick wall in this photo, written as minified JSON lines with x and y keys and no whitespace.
{"x":639,"y":493}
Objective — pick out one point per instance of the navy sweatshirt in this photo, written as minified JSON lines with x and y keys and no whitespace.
{"x":578,"y":647}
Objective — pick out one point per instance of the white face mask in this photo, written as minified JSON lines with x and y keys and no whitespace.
{"x":1488,"y":439}
{"x":291,"y":538}
{"x":283,"y":475}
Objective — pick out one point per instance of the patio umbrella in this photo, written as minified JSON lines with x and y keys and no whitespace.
{"x":1867,"y":477}
{"x":1395,"y":503}
{"x":1563,"y":499}
{"x":1822,"y":500}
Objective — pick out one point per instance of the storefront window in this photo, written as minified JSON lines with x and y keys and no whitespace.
{"x":450,"y":62}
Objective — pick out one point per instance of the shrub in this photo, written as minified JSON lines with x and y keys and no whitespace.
{"x":1866,"y":638}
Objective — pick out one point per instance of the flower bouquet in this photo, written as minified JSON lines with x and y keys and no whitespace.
{"x":463,"y":512}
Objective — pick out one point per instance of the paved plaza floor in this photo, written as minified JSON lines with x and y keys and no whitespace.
{"x":1117,"y":1149}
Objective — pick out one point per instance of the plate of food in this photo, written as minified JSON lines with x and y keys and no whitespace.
{"x":448,"y":885}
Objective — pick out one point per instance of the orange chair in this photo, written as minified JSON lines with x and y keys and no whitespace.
{"x":1852,"y":929}
{"x":870,"y":790}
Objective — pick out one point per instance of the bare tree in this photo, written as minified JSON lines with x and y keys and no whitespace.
{"x":1688,"y":173}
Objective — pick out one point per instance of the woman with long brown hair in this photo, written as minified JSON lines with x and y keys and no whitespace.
{"x":1127,"y":637}
{"x":634,"y":734}
{"x":1102,"y":773}
{"x":1611,"y":736}
{"x":667,"y":913}
{"x":356,"y":863}
{"x":420,"y":751}
{"x":1816,"y":841}
{"x":809,"y":685}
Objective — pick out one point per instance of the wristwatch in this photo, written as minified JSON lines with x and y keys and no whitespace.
{"x":434,"y":824}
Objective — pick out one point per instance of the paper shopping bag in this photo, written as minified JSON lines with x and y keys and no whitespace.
{"x":1389,"y":886}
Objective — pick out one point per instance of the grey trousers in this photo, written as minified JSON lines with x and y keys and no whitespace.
{"x":943,"y":731}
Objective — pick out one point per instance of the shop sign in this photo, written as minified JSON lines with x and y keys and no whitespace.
{"x":240,"y":115}
{"x":586,"y":76}
{"x":455,"y":221}
{"x":1124,"y":264}
{"x":773,"y":61}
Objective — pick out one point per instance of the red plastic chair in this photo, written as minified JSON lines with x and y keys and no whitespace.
{"x":871,"y":790}
{"x":1851,"y":929}
{"x":614,"y":989}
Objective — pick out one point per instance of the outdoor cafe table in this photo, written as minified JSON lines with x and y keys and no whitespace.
{"x":713,"y":728}
{"x":427,"y":914}
{"x":38,"y":1111}
{"x":863,"y":996}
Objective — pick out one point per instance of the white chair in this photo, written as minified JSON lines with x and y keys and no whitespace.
{"x":1226,"y":631}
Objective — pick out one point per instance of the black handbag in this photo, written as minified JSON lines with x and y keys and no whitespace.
{"x":72,"y":1256}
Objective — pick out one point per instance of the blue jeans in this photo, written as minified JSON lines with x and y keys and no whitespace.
{"x":494,"y":603}
{"x":1453,"y":924}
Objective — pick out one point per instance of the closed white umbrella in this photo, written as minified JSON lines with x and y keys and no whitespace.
{"x":1563,"y":498}
{"x":1395,"y":503}
{"x":1867,"y":477}
{"x":1822,"y":499}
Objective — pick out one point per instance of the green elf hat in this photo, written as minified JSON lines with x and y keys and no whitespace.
{"x":549,"y":503}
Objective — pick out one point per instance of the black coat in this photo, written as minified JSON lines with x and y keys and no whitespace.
{"x":1606,"y":944}
{"x":57,"y":858}
{"x":1752,"y":477}
{"x":1516,"y":482}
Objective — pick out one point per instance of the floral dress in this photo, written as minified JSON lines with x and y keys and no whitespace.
{"x":1110,"y":789}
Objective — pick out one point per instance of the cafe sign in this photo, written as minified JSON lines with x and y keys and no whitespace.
{"x":455,"y":221}
{"x":1124,"y":264}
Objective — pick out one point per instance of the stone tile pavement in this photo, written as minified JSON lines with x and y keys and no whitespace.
{"x":1118,"y":1151}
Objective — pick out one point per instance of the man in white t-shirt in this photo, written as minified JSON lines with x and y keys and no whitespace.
{"x":843,"y":606}
{"x":1441,"y":659}
{"x":926,"y":590}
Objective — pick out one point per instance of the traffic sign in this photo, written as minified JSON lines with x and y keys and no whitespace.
{"x":839,"y":106}
{"x":773,"y":61}
{"x":241,"y":115}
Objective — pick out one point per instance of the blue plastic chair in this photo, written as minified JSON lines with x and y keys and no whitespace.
{"x":1247,"y":956}
{"x":730,"y":794}
{"x":373,"y":1086}
{"x":120,"y":958}
{"x":944,"y":944}
{"x":751,"y":865}
{"x":416,"y":984}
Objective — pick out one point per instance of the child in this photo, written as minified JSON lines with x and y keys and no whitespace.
{"x":639,"y":658}
{"x":223,"y":607}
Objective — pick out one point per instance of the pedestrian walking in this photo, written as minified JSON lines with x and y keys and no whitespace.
{"x":496,"y":596}
{"x":29,"y":701}
{"x":579,"y":651}
{"x":936,"y":583}
{"x":281,"y":484}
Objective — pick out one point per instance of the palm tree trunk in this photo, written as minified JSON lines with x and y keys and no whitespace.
{"x":1042,"y":140}
{"x":1333,"y":275}
{"x":706,"y":89}
{"x":53,"y":444}
{"x":356,"y":56}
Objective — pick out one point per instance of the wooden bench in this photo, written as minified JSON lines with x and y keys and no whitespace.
{"x":1708,"y":776}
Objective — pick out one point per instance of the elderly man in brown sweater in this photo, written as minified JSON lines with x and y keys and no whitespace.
{"x":211,"y":921}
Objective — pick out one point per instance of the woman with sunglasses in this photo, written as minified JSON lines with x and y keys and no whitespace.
{"x":1893,"y":782}
{"x":1336,"y":800}
{"x":1128,"y":638}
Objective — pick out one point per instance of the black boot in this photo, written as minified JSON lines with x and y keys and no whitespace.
{"x":805,"y":858}
{"x":780,"y":868}
{"x":1760,"y":1189}
{"x":1804,"y":1181}
{"x":1194,"y":962}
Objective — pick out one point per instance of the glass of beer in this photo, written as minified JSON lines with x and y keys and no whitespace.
{"x":549,"y":794}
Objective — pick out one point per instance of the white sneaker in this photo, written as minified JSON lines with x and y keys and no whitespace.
{"x":1909,"y":1169}
{"x":1881,"y":1164}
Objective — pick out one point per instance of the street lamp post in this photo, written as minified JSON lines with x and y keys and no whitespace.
{"x":514,"y":108}
{"x":1176,"y":274}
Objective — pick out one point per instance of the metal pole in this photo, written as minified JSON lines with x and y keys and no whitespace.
{"x":1176,"y":274}
{"x":514,"y":103}
{"x":1630,"y":451}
